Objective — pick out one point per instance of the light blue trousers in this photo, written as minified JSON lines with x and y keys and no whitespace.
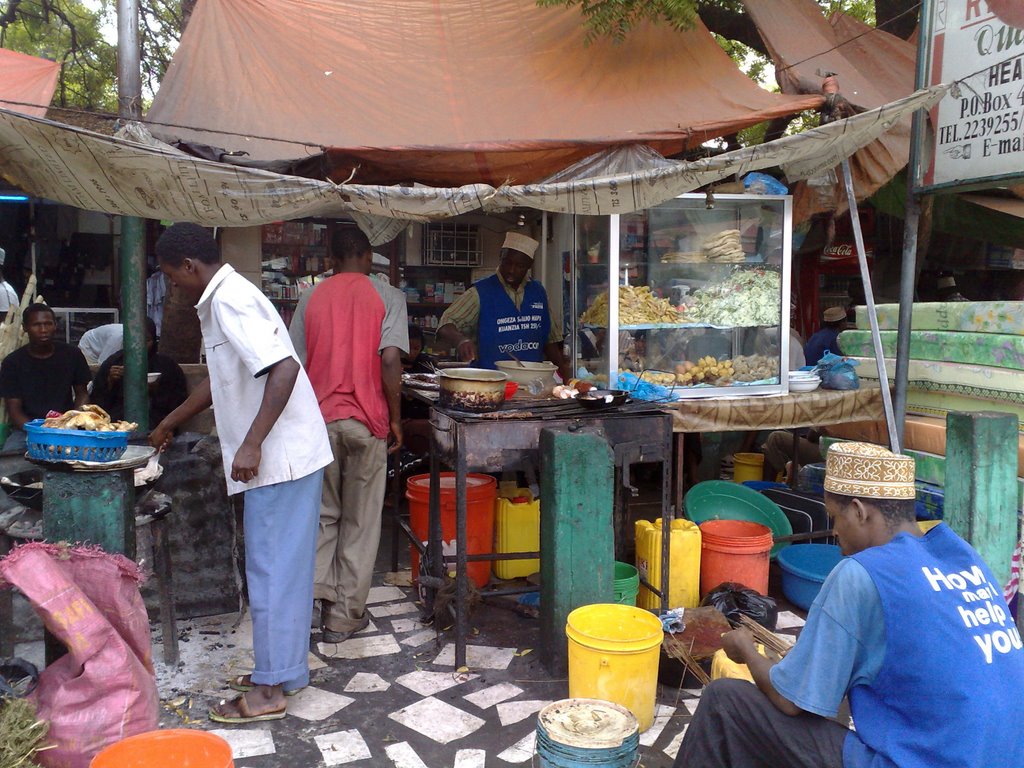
{"x":281,"y":523}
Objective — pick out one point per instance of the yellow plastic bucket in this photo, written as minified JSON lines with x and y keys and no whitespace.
{"x":747,"y":466}
{"x":613,"y":655}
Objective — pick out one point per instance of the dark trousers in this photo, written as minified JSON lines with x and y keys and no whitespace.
{"x":736,"y":726}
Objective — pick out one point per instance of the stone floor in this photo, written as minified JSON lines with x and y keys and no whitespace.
{"x":389,"y":696}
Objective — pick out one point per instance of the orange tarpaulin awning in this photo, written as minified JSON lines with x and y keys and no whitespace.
{"x":26,"y":82}
{"x":450,"y":93}
{"x":873,"y":68}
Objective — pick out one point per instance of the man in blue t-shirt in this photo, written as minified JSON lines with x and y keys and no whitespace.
{"x":826,"y":339}
{"x":911,"y":628}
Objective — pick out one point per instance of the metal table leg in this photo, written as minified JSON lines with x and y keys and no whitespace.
{"x":667,"y":513}
{"x":461,"y":588}
{"x":679,"y":469}
{"x":435,"y":550}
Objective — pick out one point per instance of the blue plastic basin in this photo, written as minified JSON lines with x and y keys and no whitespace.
{"x":804,"y":569}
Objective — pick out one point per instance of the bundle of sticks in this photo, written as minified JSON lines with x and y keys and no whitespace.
{"x":12,"y":334}
{"x":679,"y":651}
{"x":773,"y":642}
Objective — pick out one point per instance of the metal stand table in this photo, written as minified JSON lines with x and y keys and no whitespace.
{"x":509,"y":439}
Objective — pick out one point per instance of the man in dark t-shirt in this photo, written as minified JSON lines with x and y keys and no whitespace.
{"x":44,"y":375}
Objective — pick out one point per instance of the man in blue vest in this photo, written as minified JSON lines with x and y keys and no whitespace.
{"x":506,"y":314}
{"x":912,"y":629}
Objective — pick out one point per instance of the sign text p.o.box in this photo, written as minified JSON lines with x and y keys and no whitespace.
{"x":977,"y":137}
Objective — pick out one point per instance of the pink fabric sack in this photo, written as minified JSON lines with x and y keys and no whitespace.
{"x":103,"y":689}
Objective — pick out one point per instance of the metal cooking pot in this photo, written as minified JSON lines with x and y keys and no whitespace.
{"x":472,"y":389}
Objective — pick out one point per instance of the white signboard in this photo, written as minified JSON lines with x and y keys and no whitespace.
{"x":978,"y":128}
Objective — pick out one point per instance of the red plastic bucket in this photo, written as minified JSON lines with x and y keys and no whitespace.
{"x":734,"y":550}
{"x":180,"y":747}
{"x":481,"y":492}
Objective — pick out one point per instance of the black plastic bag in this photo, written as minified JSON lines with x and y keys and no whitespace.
{"x":734,"y":599}
{"x":18,"y":678}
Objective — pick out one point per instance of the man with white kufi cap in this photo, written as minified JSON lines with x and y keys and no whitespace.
{"x":506,"y":314}
{"x":911,"y":628}
{"x":8,"y":296}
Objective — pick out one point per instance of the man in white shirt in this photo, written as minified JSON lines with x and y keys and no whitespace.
{"x":274,"y":446}
{"x":8,"y":296}
{"x":99,"y":343}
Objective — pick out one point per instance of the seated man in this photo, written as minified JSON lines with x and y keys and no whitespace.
{"x":44,"y":375}
{"x":910,"y":627}
{"x":778,"y":451}
{"x":165,"y":394}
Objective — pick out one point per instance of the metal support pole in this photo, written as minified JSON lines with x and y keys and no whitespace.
{"x":911,"y":223}
{"x":132,"y":250}
{"x":865,"y":276}
{"x":908,"y":272}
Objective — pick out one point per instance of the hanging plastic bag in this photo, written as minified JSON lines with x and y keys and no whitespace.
{"x":103,"y":689}
{"x":762,"y":184}
{"x":838,"y":372}
{"x":734,"y":599}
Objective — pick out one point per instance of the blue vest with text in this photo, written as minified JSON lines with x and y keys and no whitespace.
{"x":950,"y":693}
{"x":504,"y":328}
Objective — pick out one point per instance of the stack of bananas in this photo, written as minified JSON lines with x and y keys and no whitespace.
{"x":724,"y":247}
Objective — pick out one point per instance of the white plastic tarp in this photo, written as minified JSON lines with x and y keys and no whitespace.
{"x":145,"y":178}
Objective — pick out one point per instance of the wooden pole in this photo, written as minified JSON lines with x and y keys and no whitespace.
{"x":981,"y":485}
{"x":577,"y":543}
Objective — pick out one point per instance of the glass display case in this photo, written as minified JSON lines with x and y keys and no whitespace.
{"x":687,"y":299}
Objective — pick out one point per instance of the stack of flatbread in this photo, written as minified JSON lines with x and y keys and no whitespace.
{"x":90,"y":418}
{"x":724,"y":247}
{"x":683,"y":257}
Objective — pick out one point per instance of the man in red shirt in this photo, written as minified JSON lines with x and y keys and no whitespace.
{"x":356,"y":330}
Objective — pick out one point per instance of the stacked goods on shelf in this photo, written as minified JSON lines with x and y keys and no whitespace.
{"x":965,"y":356}
{"x":637,"y":306}
{"x":744,"y":299}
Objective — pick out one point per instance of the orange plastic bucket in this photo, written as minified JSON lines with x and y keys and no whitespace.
{"x":179,"y":747}
{"x":734,"y":550}
{"x":481,"y":492}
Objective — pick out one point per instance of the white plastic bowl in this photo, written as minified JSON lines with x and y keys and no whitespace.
{"x":804,"y":385}
{"x":525,"y":374}
{"x":152,"y":377}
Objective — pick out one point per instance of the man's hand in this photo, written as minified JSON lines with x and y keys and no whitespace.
{"x":115,"y":374}
{"x":739,"y":645}
{"x":246,"y":465}
{"x":466,"y":351}
{"x":160,"y":438}
{"x":395,"y":438}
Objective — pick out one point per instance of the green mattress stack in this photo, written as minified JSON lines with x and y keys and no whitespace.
{"x":965,"y":356}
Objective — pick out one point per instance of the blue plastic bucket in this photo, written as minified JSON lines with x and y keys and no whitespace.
{"x":576,"y":733}
{"x":804,"y":569}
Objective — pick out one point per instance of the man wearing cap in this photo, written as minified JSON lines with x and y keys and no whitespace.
{"x":910,"y":627}
{"x":946,"y":290}
{"x":826,"y":339}
{"x":506,"y":314}
{"x":8,"y":296}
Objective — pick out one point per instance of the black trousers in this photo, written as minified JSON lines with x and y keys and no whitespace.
{"x":736,"y":726}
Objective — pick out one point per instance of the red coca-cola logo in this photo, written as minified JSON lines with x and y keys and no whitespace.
{"x":839,"y":250}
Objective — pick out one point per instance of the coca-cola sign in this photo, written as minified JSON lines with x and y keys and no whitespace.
{"x":841,"y":251}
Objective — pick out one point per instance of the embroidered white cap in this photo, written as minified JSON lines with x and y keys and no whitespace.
{"x":517,"y":242}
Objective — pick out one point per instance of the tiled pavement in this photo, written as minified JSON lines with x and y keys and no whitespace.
{"x":389,"y":696}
